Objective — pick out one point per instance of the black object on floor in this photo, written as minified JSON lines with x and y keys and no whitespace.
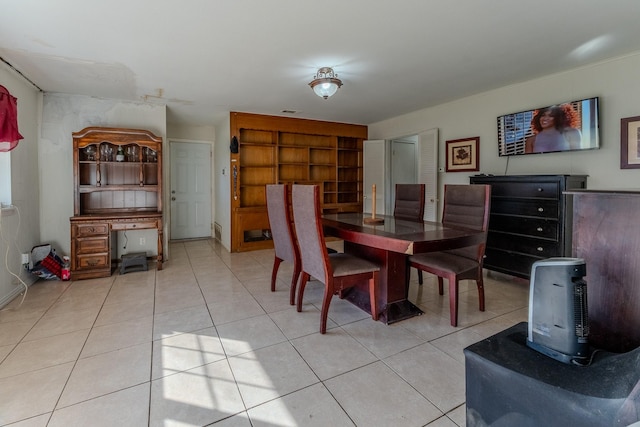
{"x":136,"y":261}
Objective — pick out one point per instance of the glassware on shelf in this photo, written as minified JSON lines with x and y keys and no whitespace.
{"x":132,"y":153}
{"x":106,"y":153}
{"x":90,"y":152}
{"x":150,"y":156}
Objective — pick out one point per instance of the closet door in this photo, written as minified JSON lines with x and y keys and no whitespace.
{"x":428,"y":171}
{"x":374,"y":173}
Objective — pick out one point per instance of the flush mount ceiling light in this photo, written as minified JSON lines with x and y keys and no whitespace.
{"x":326,"y":82}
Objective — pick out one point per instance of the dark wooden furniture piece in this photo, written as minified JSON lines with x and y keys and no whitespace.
{"x":284,"y":150}
{"x":464,"y":206}
{"x":510,"y":384}
{"x":285,"y":243}
{"x":530,"y":220}
{"x":337,"y":271}
{"x":409,"y":203}
{"x":607,"y":236}
{"x":389,"y":245}
{"x":112,"y":193}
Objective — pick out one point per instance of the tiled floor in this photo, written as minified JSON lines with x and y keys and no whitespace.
{"x":205,"y":342}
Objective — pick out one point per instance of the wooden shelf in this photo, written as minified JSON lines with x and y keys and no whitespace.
{"x":292,"y":151}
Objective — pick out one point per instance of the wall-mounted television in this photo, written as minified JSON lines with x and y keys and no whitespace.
{"x":568,"y":126}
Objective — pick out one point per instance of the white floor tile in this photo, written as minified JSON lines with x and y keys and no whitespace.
{"x":205,"y":342}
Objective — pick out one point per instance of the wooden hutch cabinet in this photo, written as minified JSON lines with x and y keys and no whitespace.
{"x":282,"y":150}
{"x":117,"y":176}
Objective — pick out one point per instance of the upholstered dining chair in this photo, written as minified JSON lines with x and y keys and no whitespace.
{"x":465,"y":206}
{"x":337,"y":271}
{"x":409,"y":203}
{"x":283,"y":235}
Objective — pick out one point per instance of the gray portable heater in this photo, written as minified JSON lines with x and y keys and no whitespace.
{"x":558,"y":321}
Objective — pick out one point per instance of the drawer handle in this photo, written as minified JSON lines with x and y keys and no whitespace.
{"x":539,"y":248}
{"x":539,"y":229}
{"x":93,"y":262}
{"x":539,"y":189}
{"x":540,"y":209}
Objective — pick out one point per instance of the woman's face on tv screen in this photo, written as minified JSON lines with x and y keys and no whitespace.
{"x":546,"y":120}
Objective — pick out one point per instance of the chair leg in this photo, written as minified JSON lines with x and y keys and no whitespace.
{"x":294,"y":284}
{"x":373,"y":295}
{"x":440,"y":286}
{"x":304,"y":278}
{"x":274,"y":273}
{"x":420,"y":277}
{"x":324,"y":313}
{"x":480,"y":283}
{"x":453,"y":299}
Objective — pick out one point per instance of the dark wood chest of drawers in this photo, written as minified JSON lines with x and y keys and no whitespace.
{"x":530,"y":220}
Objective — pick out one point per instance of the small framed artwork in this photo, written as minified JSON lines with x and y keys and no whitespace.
{"x":630,"y":143}
{"x":463,"y":155}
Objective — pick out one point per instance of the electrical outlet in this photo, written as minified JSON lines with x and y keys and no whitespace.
{"x":25,"y":258}
{"x":143,"y":241}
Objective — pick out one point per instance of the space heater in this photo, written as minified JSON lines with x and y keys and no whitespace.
{"x":558,"y":321}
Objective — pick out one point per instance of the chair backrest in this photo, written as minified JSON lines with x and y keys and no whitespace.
{"x":307,"y":218}
{"x":409,"y":203}
{"x":280,"y":221}
{"x":468,"y":206}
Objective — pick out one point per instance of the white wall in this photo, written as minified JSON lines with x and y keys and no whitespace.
{"x":61,"y":116}
{"x":614,"y":81}
{"x":222,"y":174}
{"x":24,"y":187}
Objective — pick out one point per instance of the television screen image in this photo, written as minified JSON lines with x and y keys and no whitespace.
{"x":568,"y":126}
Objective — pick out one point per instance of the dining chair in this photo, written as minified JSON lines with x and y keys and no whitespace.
{"x":283,"y":235}
{"x":409,"y":203}
{"x":465,"y":206}
{"x":337,"y":271}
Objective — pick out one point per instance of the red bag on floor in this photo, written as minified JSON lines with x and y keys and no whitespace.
{"x":53,"y":264}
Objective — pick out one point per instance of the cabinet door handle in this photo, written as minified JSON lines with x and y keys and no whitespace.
{"x":539,"y":248}
{"x":539,"y":229}
{"x":540,"y":209}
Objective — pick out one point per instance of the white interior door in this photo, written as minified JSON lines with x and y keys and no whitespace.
{"x":403,"y":166}
{"x":190,"y":190}
{"x":374,"y":173}
{"x":428,"y":171}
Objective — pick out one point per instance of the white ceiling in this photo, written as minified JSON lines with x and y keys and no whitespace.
{"x":203,"y":58}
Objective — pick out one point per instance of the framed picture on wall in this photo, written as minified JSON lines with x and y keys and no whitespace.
{"x":630,"y":143}
{"x":463,"y":155}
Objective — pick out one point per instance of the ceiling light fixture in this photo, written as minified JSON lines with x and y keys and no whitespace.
{"x":325,"y":83}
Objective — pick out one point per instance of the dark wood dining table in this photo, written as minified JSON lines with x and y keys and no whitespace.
{"x":390,"y":244}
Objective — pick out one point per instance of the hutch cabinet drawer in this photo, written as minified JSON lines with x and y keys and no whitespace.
{"x":534,"y":227}
{"x":548,"y":190}
{"x":530,"y":207}
{"x":526,"y":245}
{"x":92,"y":246}
{"x":84,"y":262}
{"x":83,"y":230}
